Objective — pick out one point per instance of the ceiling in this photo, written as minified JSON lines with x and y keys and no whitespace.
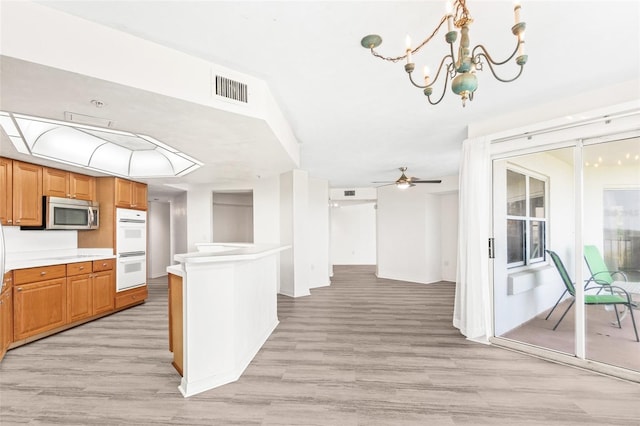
{"x":357,"y":118}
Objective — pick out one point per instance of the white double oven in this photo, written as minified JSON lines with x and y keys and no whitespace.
{"x":131,"y":248}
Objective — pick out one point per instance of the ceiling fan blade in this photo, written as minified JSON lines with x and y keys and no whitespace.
{"x":385,"y":184}
{"x":427,"y":181}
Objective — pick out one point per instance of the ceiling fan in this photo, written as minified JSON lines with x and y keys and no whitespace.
{"x":404,"y":182}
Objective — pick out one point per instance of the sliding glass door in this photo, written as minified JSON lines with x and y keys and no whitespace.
{"x":534,"y":212}
{"x":611,"y":238}
{"x":566,"y":224}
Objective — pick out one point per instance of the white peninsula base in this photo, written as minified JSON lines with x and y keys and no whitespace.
{"x":229,"y":309}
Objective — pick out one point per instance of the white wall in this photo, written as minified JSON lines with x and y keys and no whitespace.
{"x":17,"y":241}
{"x":294,"y":231}
{"x":199,"y":215}
{"x":232,"y":217}
{"x":353,"y":234}
{"x":409,"y":238}
{"x":158,"y":238}
{"x":411,"y":222}
{"x":179,"y":224}
{"x":449,"y":230}
{"x":318,"y":212}
{"x":266,"y":210}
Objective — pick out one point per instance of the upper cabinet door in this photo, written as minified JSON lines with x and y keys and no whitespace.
{"x":139,"y":192}
{"x":60,"y":183}
{"x":6,"y":196}
{"x":131,"y":195}
{"x":55,"y":183}
{"x":123,"y":193}
{"x":82,"y":187}
{"x":27,"y":194}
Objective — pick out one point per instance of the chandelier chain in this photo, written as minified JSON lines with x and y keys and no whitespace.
{"x":400,"y":58}
{"x":461,"y":18}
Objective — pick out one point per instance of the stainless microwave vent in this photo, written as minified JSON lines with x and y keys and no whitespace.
{"x":231,"y":89}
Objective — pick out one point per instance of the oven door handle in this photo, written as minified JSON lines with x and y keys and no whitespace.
{"x":142,"y":221}
{"x":131,"y":260}
{"x":132,"y":254}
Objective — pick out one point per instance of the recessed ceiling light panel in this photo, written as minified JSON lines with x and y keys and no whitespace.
{"x":105,"y":150}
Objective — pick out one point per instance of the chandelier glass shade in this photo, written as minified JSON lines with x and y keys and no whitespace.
{"x":461,"y":63}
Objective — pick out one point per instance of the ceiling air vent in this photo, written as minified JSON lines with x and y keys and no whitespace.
{"x":231,"y":89}
{"x":350,"y":193}
{"x":74,"y":117}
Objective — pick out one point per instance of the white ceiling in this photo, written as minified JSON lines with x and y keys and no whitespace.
{"x":357,"y":118}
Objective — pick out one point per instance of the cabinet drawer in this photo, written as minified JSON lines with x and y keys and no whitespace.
{"x":131,"y":297}
{"x":78,"y":268}
{"x":29,"y":275}
{"x":103,"y":265}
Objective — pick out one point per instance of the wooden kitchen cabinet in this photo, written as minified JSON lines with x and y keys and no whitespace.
{"x":6,"y":314}
{"x":175,"y":321}
{"x":104,"y":286}
{"x":60,"y":183}
{"x":39,"y":300}
{"x":27,"y":194}
{"x":6,"y":186}
{"x":79,"y":297}
{"x":131,"y":297}
{"x":79,"y":291}
{"x":90,"y":289}
{"x":130,"y":195}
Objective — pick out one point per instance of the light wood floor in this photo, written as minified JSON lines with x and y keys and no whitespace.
{"x":363,"y":351}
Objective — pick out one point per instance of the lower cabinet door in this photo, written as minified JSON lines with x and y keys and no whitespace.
{"x":6,"y":321}
{"x":79,"y":297}
{"x":39,"y":307}
{"x":103,"y":292}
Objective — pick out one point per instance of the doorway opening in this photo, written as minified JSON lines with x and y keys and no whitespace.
{"x":232,"y":217}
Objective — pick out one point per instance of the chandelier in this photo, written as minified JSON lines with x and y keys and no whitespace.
{"x":460,"y":69}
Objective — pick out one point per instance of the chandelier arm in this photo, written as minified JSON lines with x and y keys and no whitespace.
{"x":444,"y":89}
{"x":437,"y":74}
{"x":490,"y":60}
{"x":494,"y":73}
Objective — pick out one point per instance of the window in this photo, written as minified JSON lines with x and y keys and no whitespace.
{"x":526,"y":218}
{"x":622,"y":231}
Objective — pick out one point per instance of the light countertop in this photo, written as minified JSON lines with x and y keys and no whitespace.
{"x":57,"y":257}
{"x":229,"y":252}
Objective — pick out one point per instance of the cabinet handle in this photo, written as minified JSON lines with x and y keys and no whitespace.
{"x":81,"y":268}
{"x":43,"y":273}
{"x":17,"y":221}
{"x":10,"y":221}
{"x":68,"y":195}
{"x":19,"y":288}
{"x":104,"y":264}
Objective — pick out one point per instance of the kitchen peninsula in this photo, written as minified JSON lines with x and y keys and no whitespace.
{"x":222,"y":308}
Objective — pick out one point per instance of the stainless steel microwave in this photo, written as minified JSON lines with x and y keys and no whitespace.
{"x":66,"y":213}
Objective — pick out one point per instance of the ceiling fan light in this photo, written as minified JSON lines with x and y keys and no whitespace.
{"x":403,"y":184}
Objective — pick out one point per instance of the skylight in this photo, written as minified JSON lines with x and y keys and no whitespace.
{"x":104,"y":150}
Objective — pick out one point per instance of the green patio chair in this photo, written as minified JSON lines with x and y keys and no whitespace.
{"x":602,"y":275}
{"x":620,"y":297}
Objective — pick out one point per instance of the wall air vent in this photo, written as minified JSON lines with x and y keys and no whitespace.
{"x":350,"y":193}
{"x":231,"y":89}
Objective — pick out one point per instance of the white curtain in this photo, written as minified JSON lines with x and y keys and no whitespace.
{"x":472,"y":310}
